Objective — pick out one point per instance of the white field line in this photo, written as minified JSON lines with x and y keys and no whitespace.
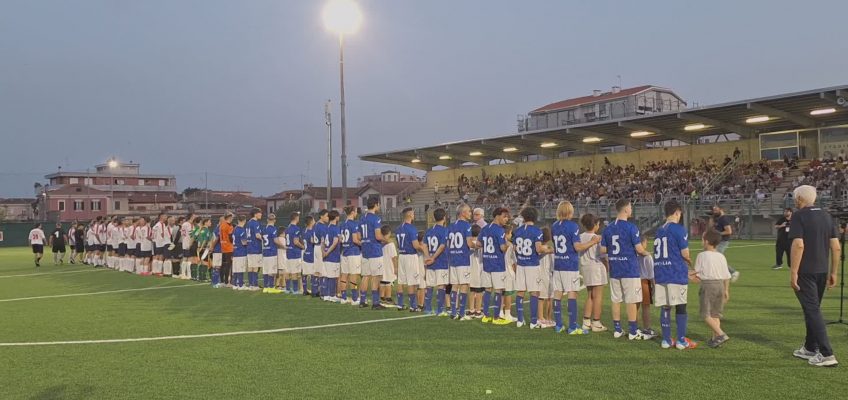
{"x":52,"y":273}
{"x":209,"y":335}
{"x":56,"y":296}
{"x":738,"y":247}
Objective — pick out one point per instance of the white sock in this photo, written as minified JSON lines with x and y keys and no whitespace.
{"x":137,"y":265}
{"x":167,"y":267}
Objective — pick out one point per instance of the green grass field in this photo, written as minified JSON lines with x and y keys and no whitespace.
{"x":389,"y":355}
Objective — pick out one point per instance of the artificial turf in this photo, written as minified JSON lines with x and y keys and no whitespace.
{"x":422,"y":357}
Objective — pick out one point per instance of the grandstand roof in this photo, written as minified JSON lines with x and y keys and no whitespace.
{"x":786,"y":112}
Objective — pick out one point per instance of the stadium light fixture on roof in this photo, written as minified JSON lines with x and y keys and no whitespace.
{"x":641,"y":134}
{"x":445,"y":157}
{"x":548,"y":144}
{"x":509,"y":149}
{"x":591,"y":139}
{"x":694,"y":127}
{"x":757,"y":119}
{"x":475,"y":153}
{"x":342,"y":16}
{"x":416,"y":161}
{"x":823,"y":111}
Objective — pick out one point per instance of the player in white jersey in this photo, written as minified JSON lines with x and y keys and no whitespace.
{"x":123,"y":233}
{"x":36,"y":240}
{"x":161,"y":241}
{"x":112,"y":246}
{"x":144,"y":235}
{"x":185,"y":241}
{"x":101,"y":241}
{"x":90,"y":238}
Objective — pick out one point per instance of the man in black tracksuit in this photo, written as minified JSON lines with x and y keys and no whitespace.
{"x":783,"y":245}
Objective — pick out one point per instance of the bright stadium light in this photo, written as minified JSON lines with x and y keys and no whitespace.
{"x":757,"y":119}
{"x":475,"y":153}
{"x":342,"y":16}
{"x":591,"y":139}
{"x":694,"y":127}
{"x":445,"y":157}
{"x":548,"y":144}
{"x":415,"y":161}
{"x":510,"y":149}
{"x":641,"y":134}
{"x":823,"y":111}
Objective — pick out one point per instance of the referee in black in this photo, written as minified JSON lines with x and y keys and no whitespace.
{"x":783,"y":245}
{"x":814,"y":237}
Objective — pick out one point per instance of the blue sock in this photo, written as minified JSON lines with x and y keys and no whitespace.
{"x":363,"y":294}
{"x":413,"y":300}
{"x":572,"y":313}
{"x":665,"y":324}
{"x":325,"y":286}
{"x":616,"y":325}
{"x":335,"y":291}
{"x":440,"y":301}
{"x":454,"y":305}
{"x":296,"y":285}
{"x":487,"y":299}
{"x":288,"y":285}
{"x":558,"y":313}
{"x":681,"y":320}
{"x":633,"y":326}
{"x":463,"y":303}
{"x":400,"y":299}
{"x":375,"y":298}
{"x":354,"y":294}
{"x":344,"y":294}
{"x":314,"y":283}
{"x":428,"y":300}
{"x":534,"y":309}
{"x":241,"y":279}
{"x":216,"y":276}
{"x":498,"y":300}
{"x":519,"y":308}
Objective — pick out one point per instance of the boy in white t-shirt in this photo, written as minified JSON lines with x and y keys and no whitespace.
{"x":36,"y":240}
{"x":712,"y":272}
{"x":546,"y":265}
{"x":511,"y":261}
{"x":390,"y":262}
{"x":595,"y":272}
{"x":646,"y":273}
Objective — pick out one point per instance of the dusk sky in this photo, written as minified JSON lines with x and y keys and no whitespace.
{"x":237,"y":88}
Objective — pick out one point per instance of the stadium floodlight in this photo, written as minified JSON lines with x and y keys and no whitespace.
{"x":823,"y":111}
{"x":591,"y":139}
{"x":415,"y":161}
{"x":510,"y":149}
{"x":548,"y":144}
{"x":641,"y":134}
{"x":694,"y":127}
{"x":113,"y":163}
{"x":342,"y":16}
{"x":475,"y":153}
{"x":757,"y":119}
{"x":445,"y":157}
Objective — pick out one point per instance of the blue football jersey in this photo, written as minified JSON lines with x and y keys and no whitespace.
{"x":460,"y":253}
{"x":217,"y":233}
{"x":435,"y":237}
{"x":368,"y":225}
{"x":331,"y":234}
{"x":564,"y":235}
{"x":311,"y":240}
{"x":320,"y":232}
{"x":254,"y":244}
{"x":239,"y":236}
{"x":292,"y":233}
{"x":269,"y":248}
{"x":405,"y":235}
{"x":491,"y":238}
{"x":620,"y":239}
{"x":525,"y":238}
{"x":669,"y":265}
{"x":348,"y":229}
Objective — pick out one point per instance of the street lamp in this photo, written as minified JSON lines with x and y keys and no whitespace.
{"x":112,"y":164}
{"x":344,"y":18}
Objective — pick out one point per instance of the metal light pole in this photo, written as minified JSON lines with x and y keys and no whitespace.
{"x":344,"y":126}
{"x":112,"y":165}
{"x":329,"y":122}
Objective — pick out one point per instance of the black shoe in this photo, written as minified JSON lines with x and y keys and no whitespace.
{"x":378,"y":307}
{"x":363,"y":305}
{"x":402,"y":308}
{"x":37,"y":265}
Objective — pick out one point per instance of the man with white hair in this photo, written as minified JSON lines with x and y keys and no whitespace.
{"x":814,"y":237}
{"x":479,"y":217}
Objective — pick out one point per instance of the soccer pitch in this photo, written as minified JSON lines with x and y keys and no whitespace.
{"x":203,"y":343}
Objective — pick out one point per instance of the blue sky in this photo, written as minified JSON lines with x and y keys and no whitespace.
{"x":237,"y":88}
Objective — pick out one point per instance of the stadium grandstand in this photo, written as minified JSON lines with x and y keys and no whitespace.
{"x":745,"y":155}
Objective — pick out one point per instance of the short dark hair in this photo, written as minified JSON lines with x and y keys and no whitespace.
{"x":242,"y":218}
{"x":546,"y":234}
{"x":789,"y":209}
{"x":372,"y":202}
{"x":712,"y":237}
{"x":421,"y":236}
{"x":475,"y":230}
{"x":332,"y":215}
{"x":308,"y":220}
{"x":529,"y":214}
{"x":671,"y":207}
{"x":255,"y":211}
{"x":322,"y":212}
{"x":349,"y":209}
{"x":294,"y":215}
{"x":621,"y":203}
{"x":406,"y":210}
{"x":500,"y":211}
{"x":439,"y":215}
{"x":588,"y":221}
{"x":385,"y":230}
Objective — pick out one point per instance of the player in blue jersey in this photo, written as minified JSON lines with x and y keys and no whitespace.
{"x":372,"y":254}
{"x":492,"y":241}
{"x":317,"y":283}
{"x":269,"y":255}
{"x":311,"y":245}
{"x":566,"y":270}
{"x":671,"y":275}
{"x":254,"y":249}
{"x":436,"y":262}
{"x":294,"y":248}
{"x":528,"y":248}
{"x":621,"y":242}
{"x":239,"y":253}
{"x":408,"y":247}
{"x":351,"y":265}
{"x":460,"y":246}
{"x":332,"y":257}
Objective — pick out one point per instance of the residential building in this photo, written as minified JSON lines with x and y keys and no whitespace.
{"x":17,"y":209}
{"x":391,"y":194}
{"x":216,"y":202}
